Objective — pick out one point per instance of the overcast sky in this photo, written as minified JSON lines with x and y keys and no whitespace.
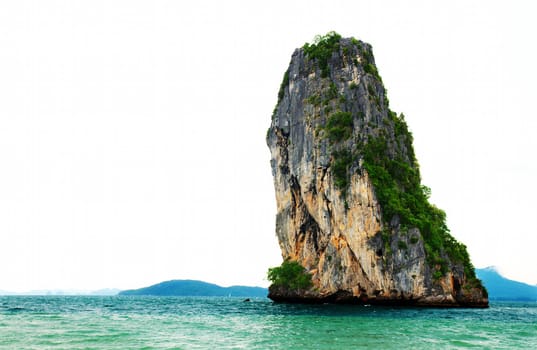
{"x":132,"y":133}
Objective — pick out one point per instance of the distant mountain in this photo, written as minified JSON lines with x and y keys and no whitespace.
{"x":196,"y":288}
{"x":501,"y":288}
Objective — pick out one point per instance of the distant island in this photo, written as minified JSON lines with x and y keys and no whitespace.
{"x":503,"y":289}
{"x":196,"y":288}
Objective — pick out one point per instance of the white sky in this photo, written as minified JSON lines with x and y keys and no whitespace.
{"x":132,"y":133}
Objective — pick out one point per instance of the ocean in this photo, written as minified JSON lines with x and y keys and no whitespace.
{"x":118,"y":322}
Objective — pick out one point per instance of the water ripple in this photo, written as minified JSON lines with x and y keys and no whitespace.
{"x":228,"y":323}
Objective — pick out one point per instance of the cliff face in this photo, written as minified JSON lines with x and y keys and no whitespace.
{"x":350,"y":207}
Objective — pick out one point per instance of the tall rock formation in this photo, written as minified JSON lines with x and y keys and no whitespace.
{"x":351,"y":209}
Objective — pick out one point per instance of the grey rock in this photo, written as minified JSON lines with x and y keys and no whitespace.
{"x":340,"y":236}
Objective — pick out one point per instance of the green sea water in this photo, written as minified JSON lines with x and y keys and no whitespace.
{"x":229,"y":323}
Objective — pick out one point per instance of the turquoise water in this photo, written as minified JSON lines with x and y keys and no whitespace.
{"x":230,"y":323}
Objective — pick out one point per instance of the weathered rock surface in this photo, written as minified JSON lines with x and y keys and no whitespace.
{"x":338,"y":231}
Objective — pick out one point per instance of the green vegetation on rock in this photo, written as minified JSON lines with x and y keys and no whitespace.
{"x":398,"y":188}
{"x":340,"y":169}
{"x":283,"y":85}
{"x":338,"y":129}
{"x":368,"y":63}
{"x":339,"y":126}
{"x":291,"y":275}
{"x":322,"y":48}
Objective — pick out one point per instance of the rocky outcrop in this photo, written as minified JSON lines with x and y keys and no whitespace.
{"x":334,"y":145}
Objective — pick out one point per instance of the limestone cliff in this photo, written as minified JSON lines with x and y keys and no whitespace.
{"x":351,"y":209}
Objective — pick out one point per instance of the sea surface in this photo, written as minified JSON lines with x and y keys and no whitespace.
{"x":118,"y":322}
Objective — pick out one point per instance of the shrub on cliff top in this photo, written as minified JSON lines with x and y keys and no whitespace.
{"x":290,"y":274}
{"x":322,"y":48}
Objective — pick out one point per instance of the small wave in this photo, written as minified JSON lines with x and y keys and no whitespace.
{"x":15,"y":309}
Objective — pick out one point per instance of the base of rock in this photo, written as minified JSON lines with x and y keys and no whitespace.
{"x":342,"y":297}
